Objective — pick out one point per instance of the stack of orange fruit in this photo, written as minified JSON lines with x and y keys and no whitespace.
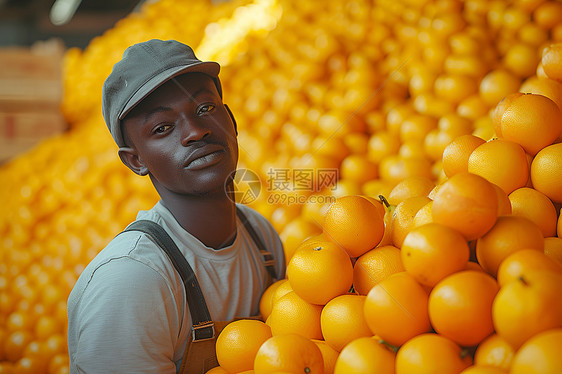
{"x":398,"y":97}
{"x":460,"y":277}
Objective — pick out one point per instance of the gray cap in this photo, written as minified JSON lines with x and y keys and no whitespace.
{"x":143,"y":68}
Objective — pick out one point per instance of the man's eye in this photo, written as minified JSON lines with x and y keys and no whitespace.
{"x":205,"y":108}
{"x":162,"y":128}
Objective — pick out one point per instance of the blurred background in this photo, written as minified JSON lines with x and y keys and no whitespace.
{"x":23,"y":22}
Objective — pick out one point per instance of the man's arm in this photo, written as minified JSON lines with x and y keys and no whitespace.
{"x":125,"y":320}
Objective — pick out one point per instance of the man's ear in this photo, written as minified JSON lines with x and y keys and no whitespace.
{"x":132,"y":160}
{"x":232,"y":117}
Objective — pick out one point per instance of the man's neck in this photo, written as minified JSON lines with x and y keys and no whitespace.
{"x":211,"y":219}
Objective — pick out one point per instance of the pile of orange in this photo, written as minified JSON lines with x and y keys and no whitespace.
{"x":448,"y":109}
{"x":459,"y":276}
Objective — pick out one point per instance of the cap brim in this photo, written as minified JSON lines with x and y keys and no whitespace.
{"x":207,"y":67}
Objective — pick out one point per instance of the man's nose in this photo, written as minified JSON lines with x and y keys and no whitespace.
{"x":193,"y":132}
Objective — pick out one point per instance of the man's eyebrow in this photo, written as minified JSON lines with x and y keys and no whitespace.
{"x":191,"y":97}
{"x":162,"y":108}
{"x":153,"y":111}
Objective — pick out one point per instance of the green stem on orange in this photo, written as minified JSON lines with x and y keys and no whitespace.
{"x":384,"y":201}
{"x":393,"y":347}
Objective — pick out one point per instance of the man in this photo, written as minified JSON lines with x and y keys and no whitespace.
{"x":128,"y":312}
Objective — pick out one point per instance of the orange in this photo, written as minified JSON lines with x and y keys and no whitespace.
{"x":266,"y":301}
{"x":540,"y":354}
{"x":421,"y":81}
{"x":484,"y":128}
{"x":504,"y":204}
{"x":395,"y":168}
{"x":377,"y":187}
{"x":15,"y":343}
{"x":533,"y":121}
{"x":416,"y":126}
{"x":455,"y":87}
{"x":357,"y":143}
{"x":460,"y":307}
{"x":497,"y":84}
{"x":544,"y":86}
{"x":329,"y":356}
{"x":354,"y":223}
{"x":217,"y":370}
{"x":377,"y":203}
{"x":483,"y":370}
{"x":552,"y":60}
{"x":282,"y":215}
{"x":471,"y":265}
{"x":315,"y":208}
{"x":424,"y":215}
{"x":281,"y":290}
{"x":358,"y":168}
{"x":345,"y":187}
{"x":410,"y":187}
{"x":528,"y":306}
{"x":548,"y":14}
{"x":501,"y":162}
{"x":431,"y":105}
{"x":509,"y":234}
{"x":365,"y":355}
{"x":456,"y":154}
{"x":523,"y":261}
{"x":433,"y":251}
{"x":536,"y":206}
{"x":521,"y":59}
{"x":339,"y":123}
{"x":343,"y":320}
{"x":467,"y":203}
{"x":397,"y":301}
{"x":431,"y":353}
{"x":238,"y":343}
{"x":311,"y":272}
{"x":546,"y":172}
{"x":403,"y":218}
{"x":333,"y":147}
{"x":375,"y":266}
{"x":294,"y":232}
{"x":412,"y":148}
{"x":473,"y":107}
{"x":382,"y":144}
{"x":553,"y":248}
{"x":494,"y":351}
{"x":435,"y":143}
{"x":533,"y":34}
{"x":293,"y":315}
{"x":289,"y":353}
{"x":499,"y":110}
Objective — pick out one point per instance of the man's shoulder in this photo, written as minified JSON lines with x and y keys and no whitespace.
{"x":129,"y":255}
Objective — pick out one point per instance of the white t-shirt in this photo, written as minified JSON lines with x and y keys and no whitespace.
{"x":127,"y":311}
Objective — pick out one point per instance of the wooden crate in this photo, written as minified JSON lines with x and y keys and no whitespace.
{"x":31,"y":90}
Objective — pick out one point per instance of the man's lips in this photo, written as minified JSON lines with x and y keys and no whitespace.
{"x":204,"y":156}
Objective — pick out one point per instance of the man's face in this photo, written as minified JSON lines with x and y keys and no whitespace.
{"x":184,"y":136}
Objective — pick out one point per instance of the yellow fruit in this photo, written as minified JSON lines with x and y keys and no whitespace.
{"x":540,"y":354}
{"x":238,"y":343}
